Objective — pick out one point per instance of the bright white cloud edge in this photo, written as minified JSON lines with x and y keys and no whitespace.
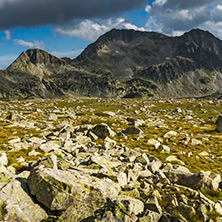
{"x":6,"y":60}
{"x":69,"y":54}
{"x":90,"y":30}
{"x":35,"y":44}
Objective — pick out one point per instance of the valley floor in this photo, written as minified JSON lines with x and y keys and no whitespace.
{"x":154,"y":160}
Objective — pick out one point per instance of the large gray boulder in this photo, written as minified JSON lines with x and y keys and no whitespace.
{"x":102,"y":130}
{"x":198,"y":180}
{"x":58,"y":190}
{"x":219,"y":124}
{"x":16,"y":203}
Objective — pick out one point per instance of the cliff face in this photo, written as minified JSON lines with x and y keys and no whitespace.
{"x":123,"y":63}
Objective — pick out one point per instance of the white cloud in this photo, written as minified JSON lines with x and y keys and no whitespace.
{"x":7,"y":35}
{"x":183,"y":15}
{"x":178,"y":33}
{"x":160,"y":2}
{"x":215,"y":28}
{"x":90,"y":30}
{"x":148,"y":8}
{"x":69,"y":54}
{"x":6,"y":60}
{"x":35,"y":44}
{"x":174,"y":17}
{"x":219,"y":7}
{"x":153,"y":25}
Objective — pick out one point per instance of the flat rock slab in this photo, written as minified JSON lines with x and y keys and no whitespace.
{"x":58,"y":190}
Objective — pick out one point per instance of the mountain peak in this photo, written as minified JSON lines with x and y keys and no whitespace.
{"x":36,"y":56}
{"x":198,"y":33}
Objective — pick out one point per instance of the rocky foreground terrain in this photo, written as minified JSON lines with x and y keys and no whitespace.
{"x":122,"y":63}
{"x":111,"y":160}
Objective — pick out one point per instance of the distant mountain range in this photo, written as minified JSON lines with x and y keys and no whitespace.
{"x":122,"y":63}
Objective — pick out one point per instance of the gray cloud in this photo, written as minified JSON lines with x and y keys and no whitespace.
{"x":176,"y":16}
{"x":29,"y":13}
{"x":90,"y":30}
{"x":188,"y":4}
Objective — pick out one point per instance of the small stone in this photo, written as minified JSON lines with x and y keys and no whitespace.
{"x":195,"y":142}
{"x":204,"y":153}
{"x":133,"y":130}
{"x":164,"y":149}
{"x":34,"y":153}
{"x":50,"y":145}
{"x":122,"y":179}
{"x":202,"y":212}
{"x":133,"y":206}
{"x":170,"y":134}
{"x":187,"y":211}
{"x":157,"y":194}
{"x":52,"y":117}
{"x":154,"y":166}
{"x":108,"y":143}
{"x":135,"y":122}
{"x":110,"y":113}
{"x":154,"y":143}
{"x":143,"y":159}
{"x":150,"y":216}
{"x":152,"y":204}
{"x":3,"y":159}
{"x":174,"y":159}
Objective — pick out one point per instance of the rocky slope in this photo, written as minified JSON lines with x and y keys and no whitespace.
{"x":122,"y":63}
{"x":110,"y":160}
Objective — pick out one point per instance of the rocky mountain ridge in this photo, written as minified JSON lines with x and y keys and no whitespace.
{"x":122,"y":63}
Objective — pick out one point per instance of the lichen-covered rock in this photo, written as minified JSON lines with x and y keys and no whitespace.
{"x":104,"y":161}
{"x":198,"y":180}
{"x":108,"y":143}
{"x":135,"y":122}
{"x":153,"y":204}
{"x":186,"y":211}
{"x":150,"y":216}
{"x":131,"y":205}
{"x":50,"y":145}
{"x":57,"y":189}
{"x":164,"y":149}
{"x":154,"y":143}
{"x":154,"y":166}
{"x":3,"y":159}
{"x":122,"y":179}
{"x":16,"y":203}
{"x":76,"y":213}
{"x":170,"y":134}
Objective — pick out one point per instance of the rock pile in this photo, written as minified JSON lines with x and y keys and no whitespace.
{"x":106,"y":171}
{"x":102,"y":183}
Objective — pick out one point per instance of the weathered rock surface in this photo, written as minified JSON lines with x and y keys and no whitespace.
{"x":219,"y":124}
{"x":17,"y":204}
{"x":58,"y":189}
{"x":197,"y":181}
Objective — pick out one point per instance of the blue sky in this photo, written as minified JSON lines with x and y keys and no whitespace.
{"x":65,"y":28}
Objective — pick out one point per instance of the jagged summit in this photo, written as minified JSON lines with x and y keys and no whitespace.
{"x":36,"y":56}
